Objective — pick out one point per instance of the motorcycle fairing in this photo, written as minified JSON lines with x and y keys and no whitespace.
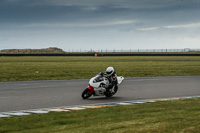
{"x":91,"y":89}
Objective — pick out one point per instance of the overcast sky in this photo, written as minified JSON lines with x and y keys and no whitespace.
{"x":100,"y":24}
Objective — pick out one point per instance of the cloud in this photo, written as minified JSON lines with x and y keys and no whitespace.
{"x":131,"y":4}
{"x":100,"y":23}
{"x":191,"y":25}
{"x":60,"y":11}
{"x":95,"y":24}
{"x":180,"y":26}
{"x":148,"y":29}
{"x":124,"y":3}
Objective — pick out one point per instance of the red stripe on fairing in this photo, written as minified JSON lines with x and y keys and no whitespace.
{"x":91,"y":89}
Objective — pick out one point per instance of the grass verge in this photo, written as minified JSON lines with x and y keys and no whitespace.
{"x":164,"y":116}
{"x":48,"y":68}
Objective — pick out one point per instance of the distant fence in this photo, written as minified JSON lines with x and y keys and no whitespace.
{"x":132,"y":50}
{"x":107,"y":54}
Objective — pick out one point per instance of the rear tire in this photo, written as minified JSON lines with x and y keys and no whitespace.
{"x":116,"y":88}
{"x":85,"y":94}
{"x":108,"y":94}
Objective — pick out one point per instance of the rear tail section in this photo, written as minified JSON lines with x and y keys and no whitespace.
{"x":120,"y":79}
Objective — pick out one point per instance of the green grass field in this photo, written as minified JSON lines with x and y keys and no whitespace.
{"x":176,"y":116}
{"x":48,"y":68}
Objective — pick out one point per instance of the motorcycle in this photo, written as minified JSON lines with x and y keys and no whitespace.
{"x":97,"y":87}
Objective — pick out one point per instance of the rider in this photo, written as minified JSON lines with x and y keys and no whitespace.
{"x":112,"y":77}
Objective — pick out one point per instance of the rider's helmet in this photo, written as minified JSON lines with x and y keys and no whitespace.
{"x":109,"y":71}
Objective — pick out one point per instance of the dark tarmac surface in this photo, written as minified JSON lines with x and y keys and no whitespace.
{"x":25,"y":95}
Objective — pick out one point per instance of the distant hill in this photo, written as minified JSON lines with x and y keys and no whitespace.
{"x":51,"y":50}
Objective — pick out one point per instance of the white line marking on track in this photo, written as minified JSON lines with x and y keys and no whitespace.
{"x":81,"y":107}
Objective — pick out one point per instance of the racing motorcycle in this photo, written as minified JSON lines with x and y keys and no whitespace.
{"x":97,"y":87}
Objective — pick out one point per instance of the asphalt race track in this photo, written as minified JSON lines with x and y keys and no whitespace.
{"x":24,"y":95}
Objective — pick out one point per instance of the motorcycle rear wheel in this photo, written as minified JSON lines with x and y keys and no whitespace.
{"x":108,"y":94}
{"x":85,"y":94}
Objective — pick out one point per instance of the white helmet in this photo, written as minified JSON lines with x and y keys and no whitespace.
{"x":109,"y":71}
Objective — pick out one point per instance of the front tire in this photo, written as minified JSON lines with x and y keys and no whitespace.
{"x":85,"y":94}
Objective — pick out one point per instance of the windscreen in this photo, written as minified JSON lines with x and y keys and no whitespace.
{"x":98,"y":78}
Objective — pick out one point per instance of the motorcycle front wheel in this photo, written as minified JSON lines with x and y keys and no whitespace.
{"x":85,"y":94}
